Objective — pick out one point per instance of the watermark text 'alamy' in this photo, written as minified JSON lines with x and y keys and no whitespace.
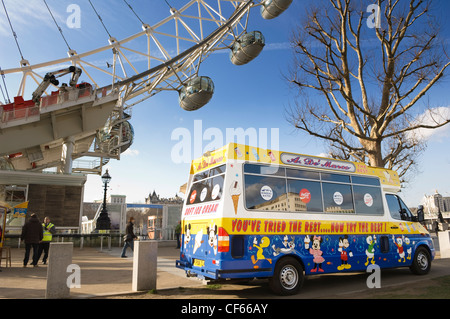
{"x":190,"y":143}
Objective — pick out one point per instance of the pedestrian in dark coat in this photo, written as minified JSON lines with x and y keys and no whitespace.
{"x":129,"y":237}
{"x":31,"y":234}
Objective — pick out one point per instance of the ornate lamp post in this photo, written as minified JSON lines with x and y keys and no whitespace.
{"x":103,"y":221}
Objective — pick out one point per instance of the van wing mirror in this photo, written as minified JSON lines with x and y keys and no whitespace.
{"x":420,"y":214}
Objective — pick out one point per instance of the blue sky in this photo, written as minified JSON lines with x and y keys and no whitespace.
{"x":250,"y":96}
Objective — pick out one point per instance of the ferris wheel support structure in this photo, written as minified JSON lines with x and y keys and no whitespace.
{"x":62,"y":124}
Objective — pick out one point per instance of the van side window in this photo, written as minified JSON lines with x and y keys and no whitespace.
{"x":207,"y":186}
{"x":397,"y":208}
{"x":337,"y":198}
{"x":265,"y":193}
{"x":276,"y":188}
{"x":264,"y":169}
{"x":394,"y":206}
{"x":304,"y":196}
{"x":368,"y":200}
{"x":405,"y":212}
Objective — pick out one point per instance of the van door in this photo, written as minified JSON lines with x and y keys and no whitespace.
{"x":402,"y":244}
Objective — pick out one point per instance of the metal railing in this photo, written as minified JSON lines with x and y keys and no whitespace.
{"x":167,"y":233}
{"x":113,"y":238}
{"x":72,"y":95}
{"x":19,"y":114}
{"x":56,"y":99}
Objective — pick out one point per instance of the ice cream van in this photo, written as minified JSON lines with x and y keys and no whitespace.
{"x":257,"y":213}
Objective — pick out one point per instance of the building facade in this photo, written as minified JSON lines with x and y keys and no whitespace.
{"x":436,"y":202}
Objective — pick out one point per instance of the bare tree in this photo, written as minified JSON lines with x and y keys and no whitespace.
{"x":366,"y":73}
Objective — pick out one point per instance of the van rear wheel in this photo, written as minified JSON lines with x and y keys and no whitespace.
{"x":287,"y":278}
{"x":422,"y":262}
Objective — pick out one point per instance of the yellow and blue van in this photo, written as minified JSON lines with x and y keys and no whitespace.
{"x":256,"y":213}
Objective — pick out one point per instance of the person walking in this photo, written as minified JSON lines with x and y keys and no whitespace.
{"x":48,"y":231}
{"x":129,"y":238}
{"x":32,"y":234}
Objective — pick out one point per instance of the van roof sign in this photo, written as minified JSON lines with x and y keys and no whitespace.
{"x":240,"y":152}
{"x":317,"y":162}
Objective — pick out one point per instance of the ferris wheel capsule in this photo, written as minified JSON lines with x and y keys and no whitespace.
{"x":247,"y":47}
{"x":127,"y":136}
{"x":196,"y":93}
{"x":273,"y":8}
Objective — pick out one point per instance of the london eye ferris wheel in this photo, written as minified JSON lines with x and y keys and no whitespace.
{"x":92,"y":118}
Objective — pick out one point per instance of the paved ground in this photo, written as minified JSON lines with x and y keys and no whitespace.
{"x":103,"y":273}
{"x":398,"y":283}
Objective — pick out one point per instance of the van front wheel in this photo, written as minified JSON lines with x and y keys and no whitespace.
{"x":287,"y":278}
{"x":422,"y":262}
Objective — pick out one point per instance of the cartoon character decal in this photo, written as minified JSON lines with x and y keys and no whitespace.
{"x":345,"y":253}
{"x":265,"y":242}
{"x":315,"y":251}
{"x":409,"y":250}
{"x":288,"y":247}
{"x":370,"y":251}
{"x":324,"y":253}
{"x":187,"y":234}
{"x":212,"y":237}
{"x":400,"y":249}
{"x":203,"y":240}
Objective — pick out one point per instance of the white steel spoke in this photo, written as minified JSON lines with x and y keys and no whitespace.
{"x":173,"y":51}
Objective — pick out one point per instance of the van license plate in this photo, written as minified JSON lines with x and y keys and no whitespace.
{"x":199,"y":263}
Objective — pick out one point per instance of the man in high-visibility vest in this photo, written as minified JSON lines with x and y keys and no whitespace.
{"x":48,"y":230}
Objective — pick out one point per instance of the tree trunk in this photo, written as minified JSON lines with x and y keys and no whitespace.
{"x":374,"y":152}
